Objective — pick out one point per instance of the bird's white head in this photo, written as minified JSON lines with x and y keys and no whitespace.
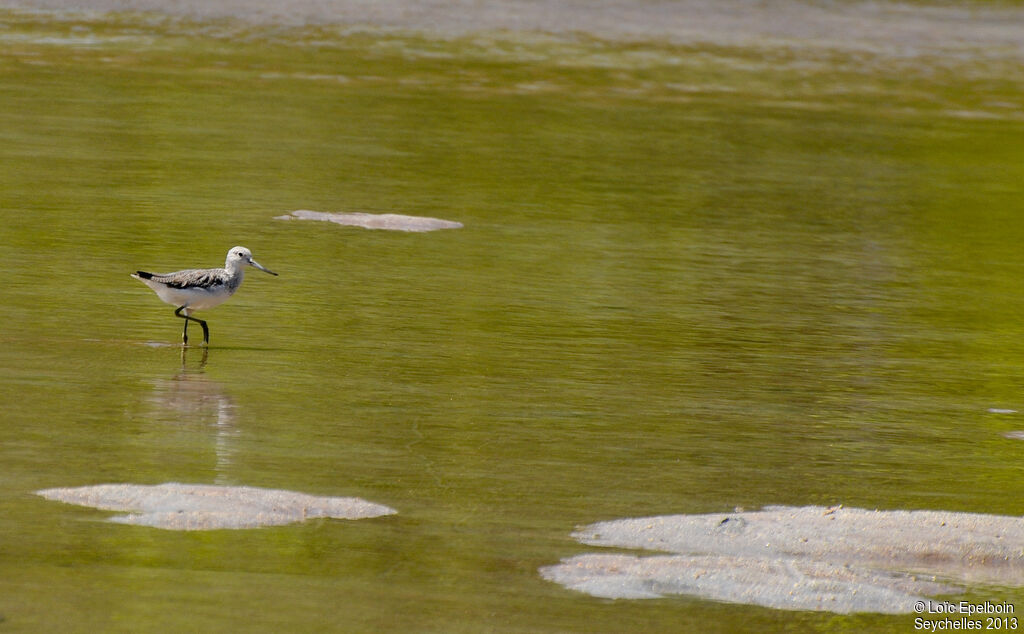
{"x":240,"y":257}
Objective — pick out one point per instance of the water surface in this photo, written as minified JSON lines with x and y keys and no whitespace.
{"x":691,"y":277}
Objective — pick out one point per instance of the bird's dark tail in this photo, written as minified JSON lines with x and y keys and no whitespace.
{"x":143,"y":275}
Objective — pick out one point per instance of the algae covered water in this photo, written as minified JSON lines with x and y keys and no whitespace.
{"x":690,"y":276}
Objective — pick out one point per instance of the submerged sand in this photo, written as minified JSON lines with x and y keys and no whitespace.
{"x":190,"y":507}
{"x":892,"y":28}
{"x":389,"y":222}
{"x":808,"y":558}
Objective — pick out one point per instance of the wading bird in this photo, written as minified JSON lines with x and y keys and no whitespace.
{"x":198,"y":289}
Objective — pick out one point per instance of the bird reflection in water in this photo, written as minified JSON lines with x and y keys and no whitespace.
{"x":193,"y":404}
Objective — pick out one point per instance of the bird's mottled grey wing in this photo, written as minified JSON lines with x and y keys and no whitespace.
{"x":192,"y":278}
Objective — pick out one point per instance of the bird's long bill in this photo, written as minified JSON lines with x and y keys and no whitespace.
{"x":261,"y":267}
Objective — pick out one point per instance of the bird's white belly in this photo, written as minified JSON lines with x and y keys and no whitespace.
{"x":193,"y":298}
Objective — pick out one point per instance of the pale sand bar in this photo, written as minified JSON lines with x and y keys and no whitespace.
{"x":807,"y":558}
{"x":191,"y":507}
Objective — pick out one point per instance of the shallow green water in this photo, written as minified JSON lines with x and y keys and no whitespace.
{"x":689,"y":280}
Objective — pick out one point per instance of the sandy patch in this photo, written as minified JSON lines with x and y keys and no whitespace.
{"x":190,"y":507}
{"x":809,"y":558}
{"x":390,"y":222}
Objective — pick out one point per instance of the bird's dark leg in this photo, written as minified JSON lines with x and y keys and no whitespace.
{"x":184,"y":333}
{"x":206,"y":331}
{"x":188,"y":318}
